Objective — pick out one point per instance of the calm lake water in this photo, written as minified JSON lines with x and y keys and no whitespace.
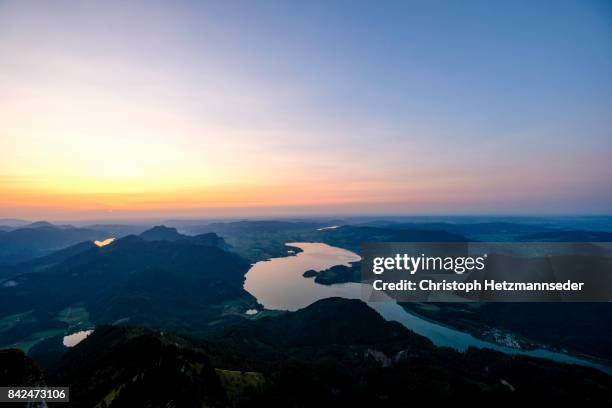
{"x":75,"y":338}
{"x":278,"y":284}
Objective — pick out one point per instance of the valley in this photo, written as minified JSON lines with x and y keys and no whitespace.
{"x":201,"y":292}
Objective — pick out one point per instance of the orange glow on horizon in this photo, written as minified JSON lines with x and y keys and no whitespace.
{"x":102,"y":115}
{"x":307,"y":194}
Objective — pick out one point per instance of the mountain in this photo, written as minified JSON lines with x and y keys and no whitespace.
{"x":162,"y":233}
{"x":335,"y":352}
{"x":43,"y":262}
{"x":186,"y":285}
{"x":331,"y":321}
{"x":31,"y":242}
{"x":210,"y":239}
{"x":16,"y":368}
{"x":134,"y":367}
{"x":38,"y":224}
{"x":260,"y":240}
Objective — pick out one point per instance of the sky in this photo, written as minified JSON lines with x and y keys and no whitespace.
{"x":275,"y":108}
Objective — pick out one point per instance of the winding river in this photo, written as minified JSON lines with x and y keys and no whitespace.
{"x":278,"y":284}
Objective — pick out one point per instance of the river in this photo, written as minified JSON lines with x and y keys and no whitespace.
{"x":278,"y":284}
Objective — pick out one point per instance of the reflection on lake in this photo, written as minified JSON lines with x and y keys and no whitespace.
{"x":328,"y":228}
{"x":104,"y":242}
{"x":278,"y":284}
{"x":75,"y":338}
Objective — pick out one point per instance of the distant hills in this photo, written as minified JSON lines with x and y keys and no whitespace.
{"x":12,"y":222}
{"x":351,"y":237}
{"x":41,"y":238}
{"x":46,"y":261}
{"x":247,"y":226}
{"x":567,"y":236}
{"x":161,"y":233}
{"x":29,"y":241}
{"x":257,"y":240}
{"x":118,"y":230}
{"x":480,"y":228}
{"x":504,"y":231}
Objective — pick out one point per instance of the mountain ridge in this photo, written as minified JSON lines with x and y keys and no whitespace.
{"x":378,"y":363}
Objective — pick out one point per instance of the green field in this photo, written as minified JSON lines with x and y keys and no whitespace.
{"x":76,"y":314}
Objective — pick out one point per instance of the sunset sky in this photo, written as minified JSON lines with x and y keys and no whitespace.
{"x":145,"y":109}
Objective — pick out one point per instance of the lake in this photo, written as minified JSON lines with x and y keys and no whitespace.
{"x":73,"y":339}
{"x":278,"y":284}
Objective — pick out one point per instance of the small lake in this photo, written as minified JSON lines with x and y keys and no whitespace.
{"x":73,"y":339}
{"x":278,"y":284}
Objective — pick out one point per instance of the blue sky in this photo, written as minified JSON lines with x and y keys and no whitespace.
{"x":348,"y":107}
